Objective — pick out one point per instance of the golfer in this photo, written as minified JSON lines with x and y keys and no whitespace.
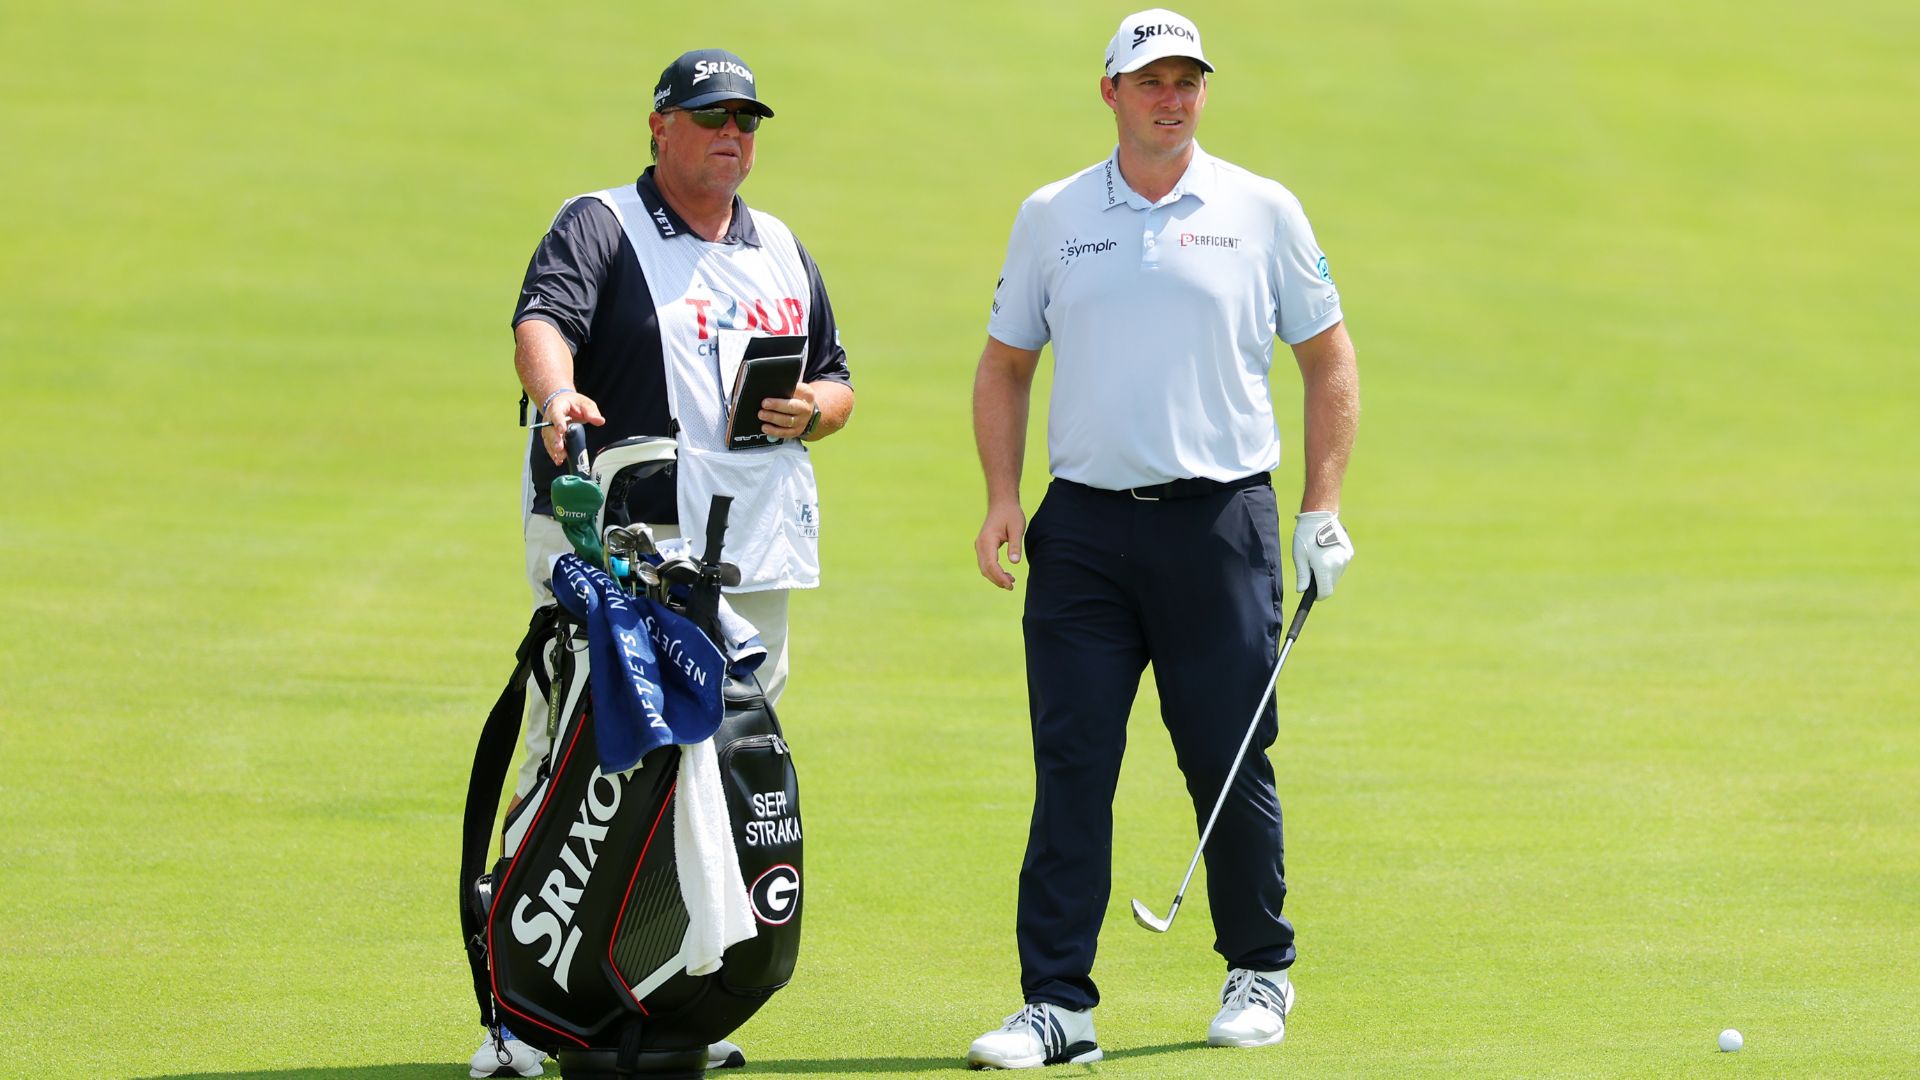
{"x":628,"y":304}
{"x":1161,"y":276}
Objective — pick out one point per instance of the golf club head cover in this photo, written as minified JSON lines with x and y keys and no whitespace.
{"x":576,"y":506}
{"x":1321,"y":551}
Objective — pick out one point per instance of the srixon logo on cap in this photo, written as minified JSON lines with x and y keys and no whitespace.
{"x":1147,"y":30}
{"x":705,"y":68}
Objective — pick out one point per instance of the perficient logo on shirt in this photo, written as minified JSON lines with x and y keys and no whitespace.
{"x":1073,"y":249}
{"x":1188,"y":239}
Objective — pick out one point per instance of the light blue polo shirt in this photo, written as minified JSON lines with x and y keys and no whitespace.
{"x":1162,"y":318}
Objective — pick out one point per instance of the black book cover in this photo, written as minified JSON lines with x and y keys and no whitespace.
{"x":769,"y":368}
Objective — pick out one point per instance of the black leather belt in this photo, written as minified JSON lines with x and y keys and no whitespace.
{"x":1190,"y":488}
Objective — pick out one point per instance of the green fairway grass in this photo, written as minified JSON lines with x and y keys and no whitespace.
{"x":1609,"y":740}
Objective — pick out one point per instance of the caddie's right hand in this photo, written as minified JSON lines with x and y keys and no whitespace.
{"x":1321,"y":550}
{"x":571,"y":407}
{"x":1006,"y":526}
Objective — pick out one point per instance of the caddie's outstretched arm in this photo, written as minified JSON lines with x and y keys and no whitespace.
{"x":544,"y":362}
{"x":1002,"y":391}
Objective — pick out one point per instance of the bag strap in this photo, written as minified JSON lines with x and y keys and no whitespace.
{"x":491,"y":760}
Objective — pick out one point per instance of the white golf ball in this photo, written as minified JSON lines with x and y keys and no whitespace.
{"x":1730,"y":1040}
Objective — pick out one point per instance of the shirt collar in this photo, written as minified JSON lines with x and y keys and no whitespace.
{"x":1197,"y":181}
{"x":739,"y":231}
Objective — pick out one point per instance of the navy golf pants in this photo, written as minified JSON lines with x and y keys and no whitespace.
{"x":1193,"y":587}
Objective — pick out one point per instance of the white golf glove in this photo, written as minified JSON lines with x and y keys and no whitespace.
{"x":1321,"y":550}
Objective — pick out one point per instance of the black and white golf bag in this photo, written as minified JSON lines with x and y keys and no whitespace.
{"x":575,"y":934}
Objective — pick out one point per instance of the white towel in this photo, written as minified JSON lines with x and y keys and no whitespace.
{"x":718,"y":914}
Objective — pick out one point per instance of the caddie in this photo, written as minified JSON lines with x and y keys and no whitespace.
{"x":628,"y":303}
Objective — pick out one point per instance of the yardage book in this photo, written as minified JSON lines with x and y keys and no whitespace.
{"x":769,"y":367}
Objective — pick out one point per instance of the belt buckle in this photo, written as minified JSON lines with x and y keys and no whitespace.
{"x":1137,"y":497}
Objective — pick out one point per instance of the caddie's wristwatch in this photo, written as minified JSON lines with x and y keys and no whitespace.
{"x":812,"y":422}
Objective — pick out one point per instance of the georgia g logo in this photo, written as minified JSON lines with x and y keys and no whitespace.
{"x":775,"y":895}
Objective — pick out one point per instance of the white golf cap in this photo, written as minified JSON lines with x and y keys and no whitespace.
{"x":1146,"y":36}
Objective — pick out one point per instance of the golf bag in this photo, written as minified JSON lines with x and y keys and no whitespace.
{"x":575,"y":934}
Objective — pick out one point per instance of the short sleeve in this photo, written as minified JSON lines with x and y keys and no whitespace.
{"x":1019,"y":314}
{"x":1308,"y":302}
{"x":826,"y":357}
{"x":564,"y":277}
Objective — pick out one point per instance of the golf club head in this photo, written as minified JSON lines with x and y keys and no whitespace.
{"x":621,"y":541}
{"x":1147,"y":919}
{"x":680,"y":570}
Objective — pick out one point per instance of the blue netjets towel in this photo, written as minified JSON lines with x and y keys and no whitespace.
{"x":656,"y":679}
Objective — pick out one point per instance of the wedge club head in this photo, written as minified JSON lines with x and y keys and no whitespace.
{"x":1149,"y":921}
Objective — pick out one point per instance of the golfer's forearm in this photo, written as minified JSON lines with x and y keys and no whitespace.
{"x":1330,"y":426}
{"x":1332,"y":415}
{"x":1001,"y":391}
{"x":1000,"y":434}
{"x":542,"y":359}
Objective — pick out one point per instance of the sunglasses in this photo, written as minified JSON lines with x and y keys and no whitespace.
{"x":715,"y":118}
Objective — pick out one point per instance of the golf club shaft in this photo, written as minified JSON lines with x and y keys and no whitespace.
{"x":1233,"y":770}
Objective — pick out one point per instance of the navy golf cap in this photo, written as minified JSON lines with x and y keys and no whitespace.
{"x":706,"y":77}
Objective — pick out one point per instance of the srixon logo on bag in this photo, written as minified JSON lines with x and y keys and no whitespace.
{"x":552,"y":913}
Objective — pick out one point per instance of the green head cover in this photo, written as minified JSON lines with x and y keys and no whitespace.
{"x":576,"y":506}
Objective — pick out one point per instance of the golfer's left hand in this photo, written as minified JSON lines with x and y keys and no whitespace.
{"x":1321,"y":550}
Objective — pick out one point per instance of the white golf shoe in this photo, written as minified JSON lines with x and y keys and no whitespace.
{"x":1037,"y":1035}
{"x":501,"y":1054}
{"x":724,"y":1055}
{"x":1253,"y":1009}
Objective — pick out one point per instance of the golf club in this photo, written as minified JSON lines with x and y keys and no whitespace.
{"x":576,"y":501}
{"x":1141,"y":914}
{"x":626,"y":546}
